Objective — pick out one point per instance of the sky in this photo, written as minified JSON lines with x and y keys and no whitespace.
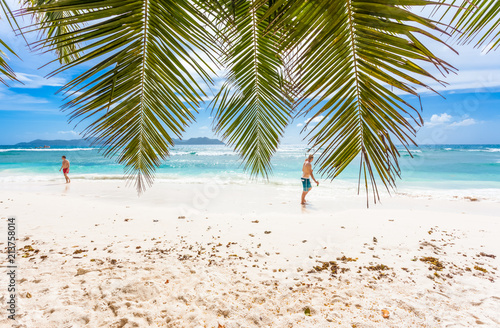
{"x":465,"y":112}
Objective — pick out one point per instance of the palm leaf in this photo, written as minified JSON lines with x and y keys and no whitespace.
{"x":352,"y":55}
{"x":141,"y":89}
{"x":477,"y":20}
{"x":339,"y":61}
{"x":49,"y":22}
{"x":251,"y":109}
{"x":6,"y":72}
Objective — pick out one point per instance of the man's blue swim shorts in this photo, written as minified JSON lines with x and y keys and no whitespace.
{"x":306,"y":184}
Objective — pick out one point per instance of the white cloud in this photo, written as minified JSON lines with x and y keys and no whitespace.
{"x":207,"y":98}
{"x":489,"y":47}
{"x":446,"y":120}
{"x":22,"y":99}
{"x":300,"y":124}
{"x":317,"y":119}
{"x":438,"y":119}
{"x":31,"y":81}
{"x":204,"y":128}
{"x":465,"y":122}
{"x":68,"y":132}
{"x":10,"y":100}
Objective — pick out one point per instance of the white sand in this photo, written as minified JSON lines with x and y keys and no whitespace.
{"x":102,"y":257}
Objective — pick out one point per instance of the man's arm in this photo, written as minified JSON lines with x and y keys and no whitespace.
{"x":312,"y":175}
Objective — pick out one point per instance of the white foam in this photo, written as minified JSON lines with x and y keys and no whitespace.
{"x":413,"y":151}
{"x":45,"y":149}
{"x":487,"y":150}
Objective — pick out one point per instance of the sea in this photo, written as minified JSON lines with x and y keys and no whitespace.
{"x":430,"y":168}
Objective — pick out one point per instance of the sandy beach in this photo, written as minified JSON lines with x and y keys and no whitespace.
{"x":93,"y":254}
{"x":235,"y":110}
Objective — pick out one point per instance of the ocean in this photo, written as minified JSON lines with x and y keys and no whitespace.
{"x":433,"y":167}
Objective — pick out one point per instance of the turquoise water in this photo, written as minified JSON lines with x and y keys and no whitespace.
{"x":441,"y":166}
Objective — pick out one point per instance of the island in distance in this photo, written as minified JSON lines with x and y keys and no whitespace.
{"x":87,"y":143}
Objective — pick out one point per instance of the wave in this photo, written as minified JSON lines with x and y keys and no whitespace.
{"x":486,"y":150}
{"x":57,"y":177}
{"x":203,"y":153}
{"x":410,"y":150}
{"x":45,"y":149}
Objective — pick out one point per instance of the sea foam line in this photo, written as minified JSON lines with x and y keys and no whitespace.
{"x":45,"y":149}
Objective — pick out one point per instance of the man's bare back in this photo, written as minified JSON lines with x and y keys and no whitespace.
{"x":306,"y":169}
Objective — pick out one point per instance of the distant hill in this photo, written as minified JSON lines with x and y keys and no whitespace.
{"x":85,"y":143}
{"x":198,"y":141}
{"x":54,"y":143}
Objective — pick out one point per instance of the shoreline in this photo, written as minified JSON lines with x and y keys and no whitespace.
{"x":336,"y":188}
{"x":200,"y":255}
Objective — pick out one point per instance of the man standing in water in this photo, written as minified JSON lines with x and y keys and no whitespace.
{"x":65,"y":168}
{"x":307,"y":174}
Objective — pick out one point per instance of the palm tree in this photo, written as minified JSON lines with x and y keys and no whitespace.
{"x":346,"y":63}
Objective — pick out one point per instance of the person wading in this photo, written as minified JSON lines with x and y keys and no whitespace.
{"x":307,"y":175}
{"x":65,"y":168}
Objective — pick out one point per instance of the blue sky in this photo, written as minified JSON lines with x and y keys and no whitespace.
{"x":469,"y":114}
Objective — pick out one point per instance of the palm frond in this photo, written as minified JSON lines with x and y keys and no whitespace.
{"x":142,"y":87}
{"x":352,"y":55}
{"x":6,"y":72}
{"x":343,"y":62}
{"x":251,"y":109}
{"x":49,"y":21}
{"x":477,"y":20}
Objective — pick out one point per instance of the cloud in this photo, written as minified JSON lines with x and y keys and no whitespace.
{"x":204,"y":128}
{"x":68,"y":132}
{"x":317,"y":119}
{"x":300,"y":124}
{"x":10,"y":100}
{"x":31,"y":81}
{"x":438,"y":119}
{"x":489,"y":47}
{"x":465,"y":122}
{"x":446,"y":120}
{"x":23,"y":99}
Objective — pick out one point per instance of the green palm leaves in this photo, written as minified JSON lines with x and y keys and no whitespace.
{"x":141,"y":88}
{"x":355,"y":55}
{"x":478,"y":20}
{"x":346,"y":63}
{"x":50,"y":22}
{"x":6,"y":72}
{"x":251,"y":109}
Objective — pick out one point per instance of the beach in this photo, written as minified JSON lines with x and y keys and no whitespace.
{"x":249,"y":164}
{"x":220,"y":254}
